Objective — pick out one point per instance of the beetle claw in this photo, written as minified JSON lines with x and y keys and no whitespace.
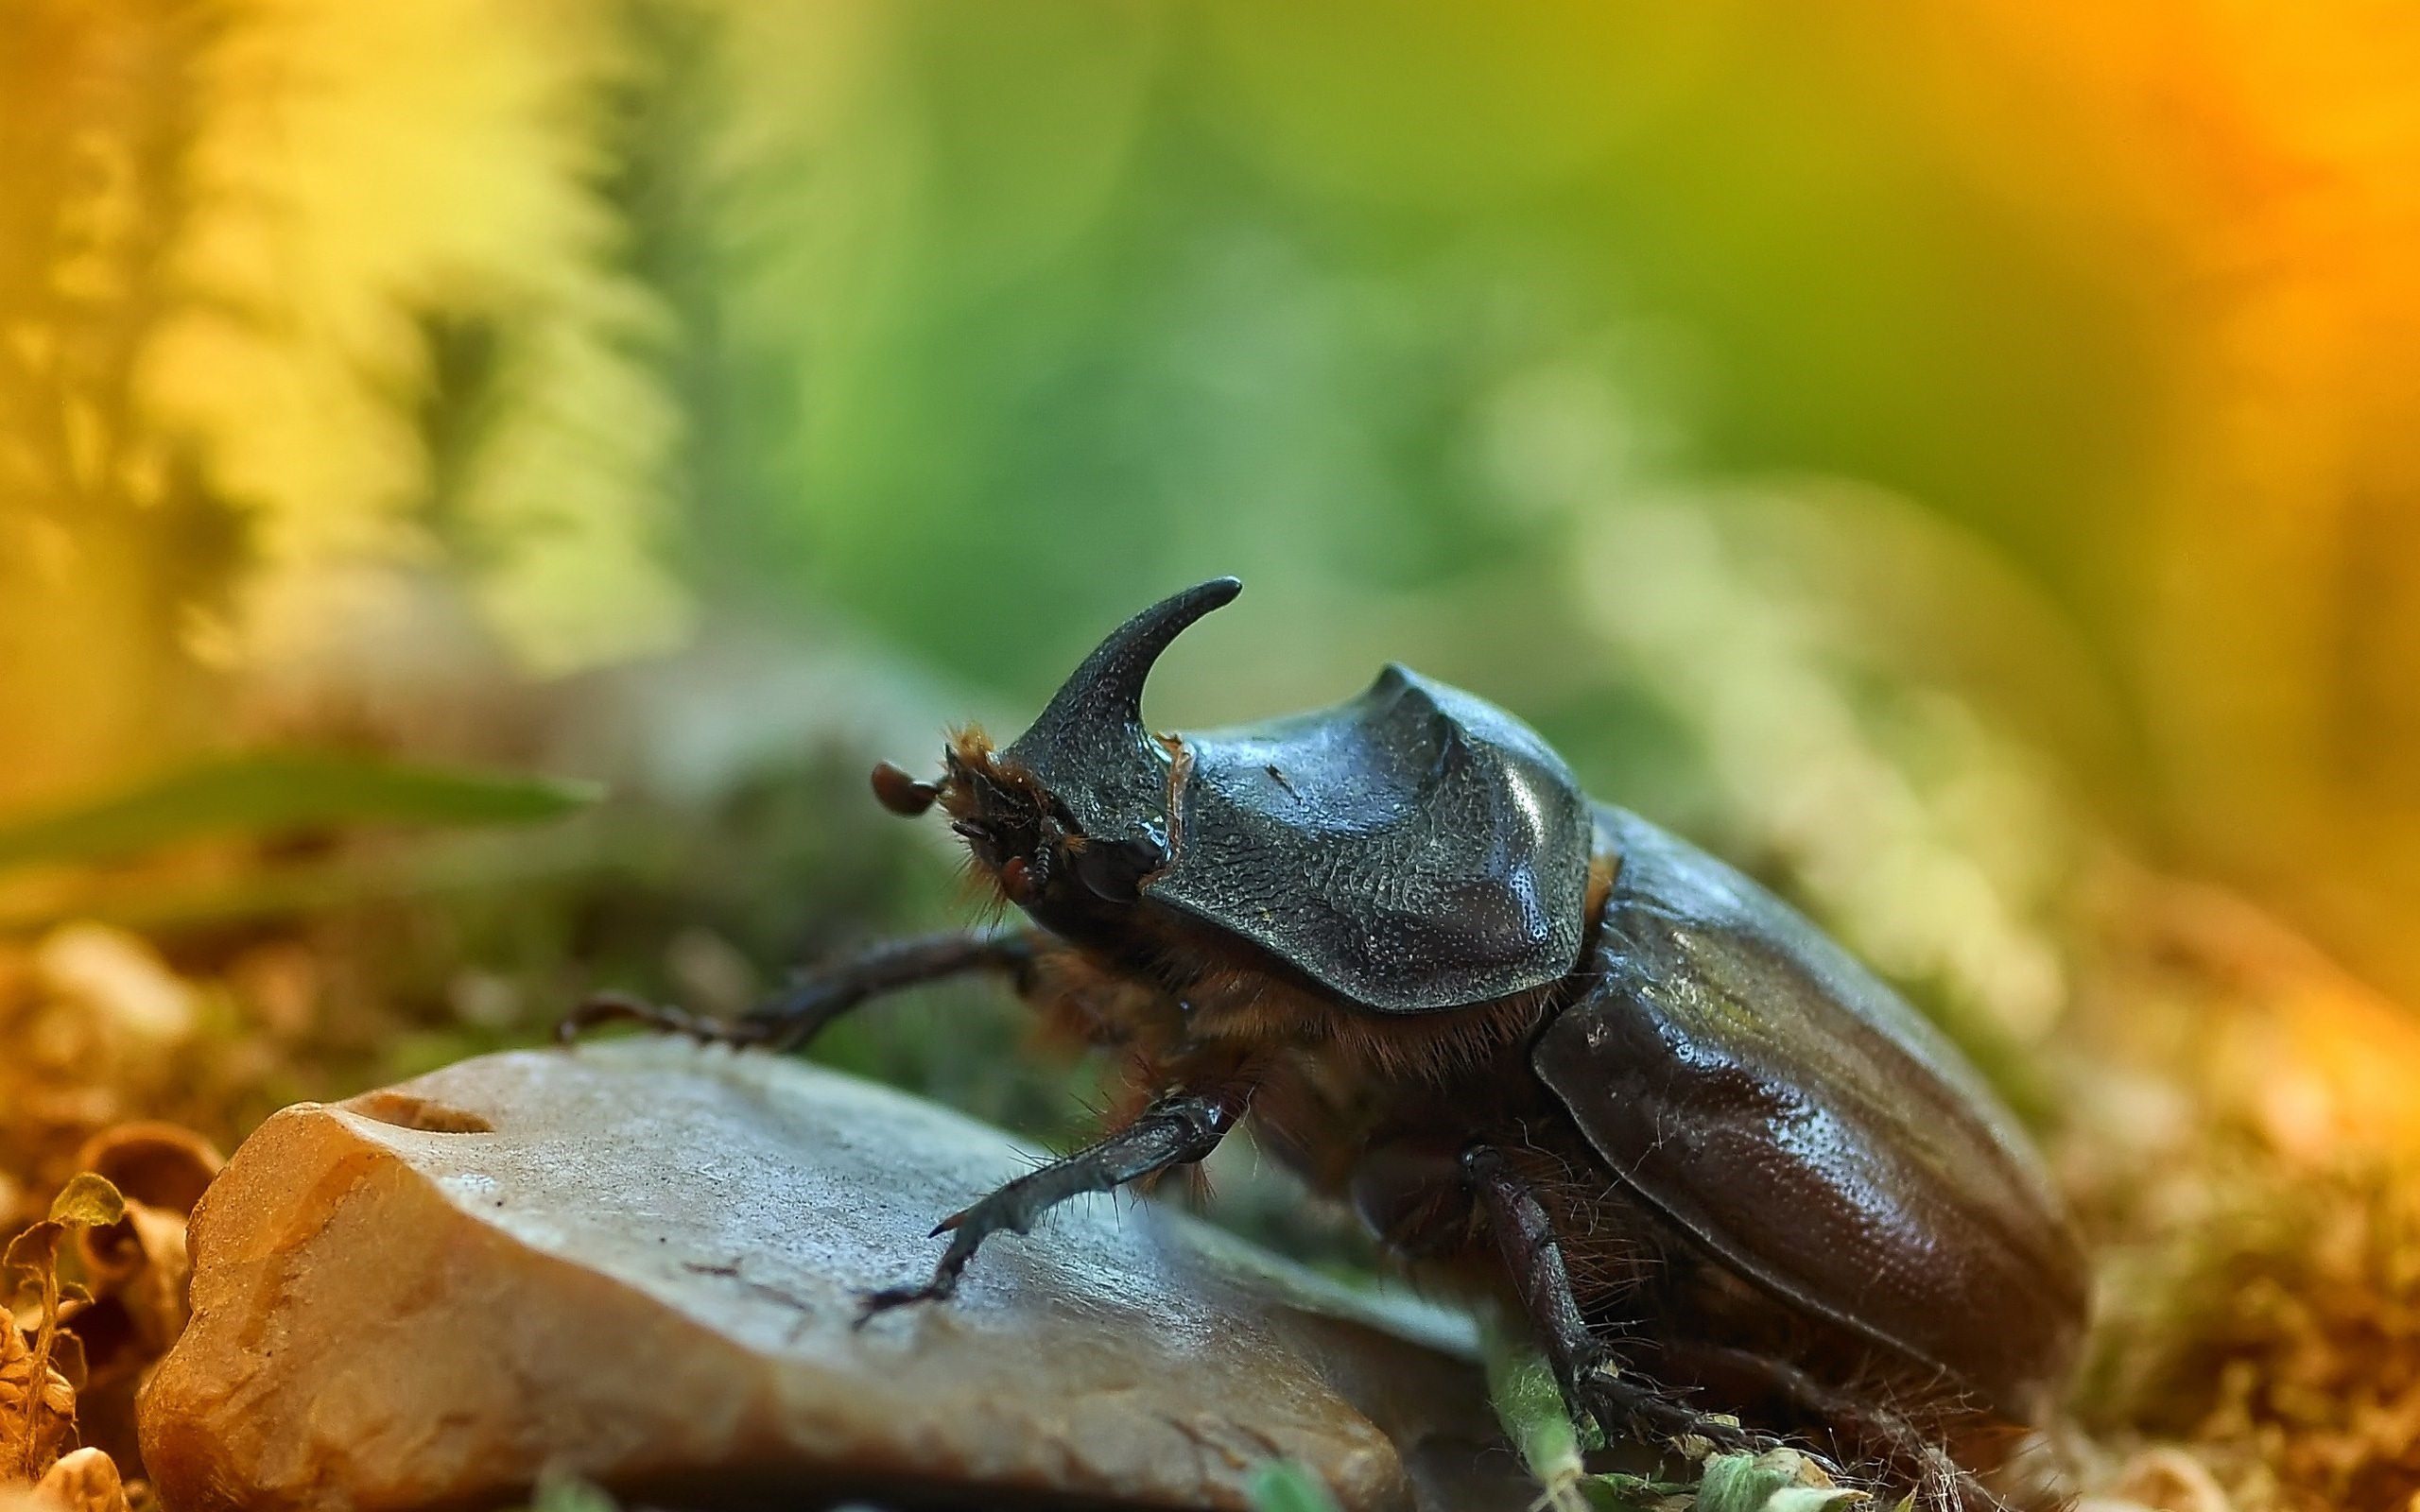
{"x":1618,"y":1403}
{"x":872,"y":1305}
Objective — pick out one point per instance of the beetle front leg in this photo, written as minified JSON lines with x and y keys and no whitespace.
{"x":792,"y":1017}
{"x":1587,"y":1368}
{"x":1178,"y":1128}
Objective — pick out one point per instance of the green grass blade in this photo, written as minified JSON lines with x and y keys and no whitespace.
{"x":1529,"y":1402}
{"x":273,"y":792}
{"x":1283,"y":1486}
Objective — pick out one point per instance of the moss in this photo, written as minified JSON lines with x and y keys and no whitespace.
{"x":2278,"y":1337}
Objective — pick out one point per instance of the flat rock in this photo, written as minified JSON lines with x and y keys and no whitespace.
{"x":639,"y":1262}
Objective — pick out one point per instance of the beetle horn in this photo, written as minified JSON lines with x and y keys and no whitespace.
{"x":1105,"y":697}
{"x":1089,"y":746}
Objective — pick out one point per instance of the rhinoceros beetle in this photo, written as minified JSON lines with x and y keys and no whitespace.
{"x":1730,"y":1178}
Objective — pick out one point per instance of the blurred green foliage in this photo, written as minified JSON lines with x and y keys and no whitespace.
{"x":1283,"y":1486}
{"x":275,"y":793}
{"x":899,"y":349}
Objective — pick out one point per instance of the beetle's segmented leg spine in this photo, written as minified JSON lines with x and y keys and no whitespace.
{"x":620,"y":1008}
{"x":1179,"y":1129}
{"x":796,"y":1015}
{"x":791,"y":1018}
{"x":1588,"y":1371}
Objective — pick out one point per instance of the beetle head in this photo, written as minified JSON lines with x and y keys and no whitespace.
{"x":1077,"y":809}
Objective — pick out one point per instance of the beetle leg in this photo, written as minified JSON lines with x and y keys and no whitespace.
{"x":1588,"y":1369}
{"x":791,"y":1018}
{"x":1178,"y":1128}
{"x":1870,"y":1427}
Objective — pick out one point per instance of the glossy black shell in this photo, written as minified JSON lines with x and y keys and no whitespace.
{"x":1411,"y":849}
{"x":1417,"y":850}
{"x":1786,"y":1109}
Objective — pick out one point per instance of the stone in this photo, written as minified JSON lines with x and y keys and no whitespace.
{"x":84,"y":1480}
{"x":638,"y":1262}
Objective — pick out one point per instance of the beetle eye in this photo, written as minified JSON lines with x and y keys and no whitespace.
{"x":972,"y":833}
{"x":1115,"y":871}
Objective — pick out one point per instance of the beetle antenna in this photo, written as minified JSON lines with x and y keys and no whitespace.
{"x":901,"y":793}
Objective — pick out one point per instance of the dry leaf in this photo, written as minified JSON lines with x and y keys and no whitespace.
{"x":34,"y":1425}
{"x":139,"y":1267}
{"x":164,"y":1166}
{"x":67,"y":1359}
{"x":87,"y":1201}
{"x":34,"y":1251}
{"x":133,"y":1251}
{"x":37,"y":1401}
{"x":114,"y":1253}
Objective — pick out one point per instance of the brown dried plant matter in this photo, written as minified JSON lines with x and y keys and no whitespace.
{"x":2246,"y":1147}
{"x":37,"y":1409}
{"x":2281,"y":1343}
{"x":136,"y":1268}
{"x":36,"y":1395}
{"x":96,"y":1292}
